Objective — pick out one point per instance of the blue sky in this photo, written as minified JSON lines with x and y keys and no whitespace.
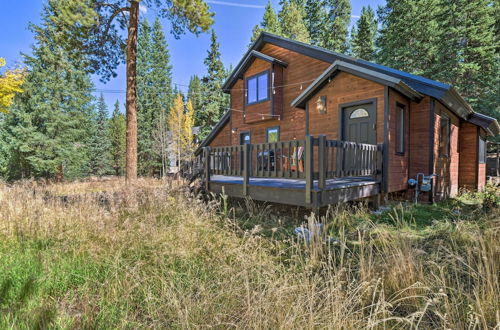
{"x":234,"y":20}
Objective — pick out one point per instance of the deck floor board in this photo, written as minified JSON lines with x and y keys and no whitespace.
{"x":331,"y":184}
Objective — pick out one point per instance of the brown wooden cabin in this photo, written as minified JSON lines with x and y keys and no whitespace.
{"x":310,"y":127}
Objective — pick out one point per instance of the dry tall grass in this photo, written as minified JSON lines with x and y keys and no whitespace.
{"x":154,"y":256}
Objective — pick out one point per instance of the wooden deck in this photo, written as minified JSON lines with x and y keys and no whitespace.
{"x":292,"y":191}
{"x":312,"y":173}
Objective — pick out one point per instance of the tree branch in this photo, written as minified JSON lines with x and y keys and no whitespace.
{"x":112,"y":17}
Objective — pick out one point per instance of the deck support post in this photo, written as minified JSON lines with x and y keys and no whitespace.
{"x":309,"y":158}
{"x":379,"y":170}
{"x":206,"y":151}
{"x":322,"y":162}
{"x":246,"y":168}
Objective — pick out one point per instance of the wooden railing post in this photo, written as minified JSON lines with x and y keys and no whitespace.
{"x":322,"y":162}
{"x":206,"y":150}
{"x":309,"y":169}
{"x":379,"y":161}
{"x":246,"y":168}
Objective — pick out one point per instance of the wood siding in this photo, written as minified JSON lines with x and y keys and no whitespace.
{"x":420,"y":135}
{"x":300,"y":68}
{"x":344,"y":88}
{"x":223,"y":138}
{"x":398,"y":164}
{"x":468,"y":165}
{"x":446,"y":167}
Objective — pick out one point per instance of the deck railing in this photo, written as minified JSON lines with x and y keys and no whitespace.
{"x":312,"y":159}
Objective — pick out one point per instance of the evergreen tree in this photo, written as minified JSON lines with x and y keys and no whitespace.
{"x":117,"y":131}
{"x":100,"y":147}
{"x":466,"y":54}
{"x":408,"y":38}
{"x":315,"y":18}
{"x":215,"y":100}
{"x":291,"y":17}
{"x":195,"y":95}
{"x":90,"y":25}
{"x":338,"y":19}
{"x":154,"y":88}
{"x":47,"y":129}
{"x":363,"y":36}
{"x":270,"y":23}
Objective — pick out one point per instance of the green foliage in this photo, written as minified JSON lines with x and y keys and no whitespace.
{"x":48,"y":128}
{"x":468,"y":55}
{"x":100,"y":146}
{"x":408,"y":38}
{"x":336,"y":28}
{"x":315,"y":19}
{"x":215,"y":101}
{"x":117,"y":132}
{"x":195,"y":94}
{"x":453,"y":41}
{"x":363,"y":36}
{"x":269,"y":23}
{"x":291,"y":17}
{"x":154,"y":93}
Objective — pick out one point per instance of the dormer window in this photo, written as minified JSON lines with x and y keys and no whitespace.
{"x":258,"y":88}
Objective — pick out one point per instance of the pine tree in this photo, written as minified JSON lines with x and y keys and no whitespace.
{"x":100,"y":147}
{"x":363,"y":36}
{"x":215,"y":101}
{"x":467,"y":50}
{"x":117,"y":131}
{"x":270,"y":23}
{"x":336,"y":32}
{"x":100,"y":38}
{"x":408,"y":38}
{"x":291,"y":17}
{"x":195,"y":95}
{"x":154,"y":88}
{"x":315,"y":18}
{"x":47,"y":128}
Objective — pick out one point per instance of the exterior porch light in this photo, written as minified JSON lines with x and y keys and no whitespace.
{"x":321,"y":105}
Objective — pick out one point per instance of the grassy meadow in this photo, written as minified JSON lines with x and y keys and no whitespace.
{"x":104,"y":255}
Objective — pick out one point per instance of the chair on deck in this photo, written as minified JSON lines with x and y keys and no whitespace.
{"x":295,"y":162}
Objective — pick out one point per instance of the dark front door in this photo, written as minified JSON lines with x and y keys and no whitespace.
{"x":359,"y":124}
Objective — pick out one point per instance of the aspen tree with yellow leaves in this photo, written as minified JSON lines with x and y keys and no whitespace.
{"x":10,"y":84}
{"x":180,"y":121}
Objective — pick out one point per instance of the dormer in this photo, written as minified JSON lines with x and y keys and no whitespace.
{"x":262,"y":77}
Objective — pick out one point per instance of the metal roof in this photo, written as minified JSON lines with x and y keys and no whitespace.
{"x":489,"y":124}
{"x":440,"y":91}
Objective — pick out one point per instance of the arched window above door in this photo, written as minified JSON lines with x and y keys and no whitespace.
{"x":359,"y":113}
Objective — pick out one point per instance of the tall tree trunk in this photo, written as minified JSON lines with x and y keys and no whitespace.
{"x":131,"y":104}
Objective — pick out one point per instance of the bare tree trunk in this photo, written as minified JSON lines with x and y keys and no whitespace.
{"x":131,"y":104}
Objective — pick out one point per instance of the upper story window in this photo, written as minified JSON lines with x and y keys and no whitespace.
{"x":482,"y":151}
{"x":444,"y":135}
{"x":400,"y":129}
{"x":257,"y":88}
